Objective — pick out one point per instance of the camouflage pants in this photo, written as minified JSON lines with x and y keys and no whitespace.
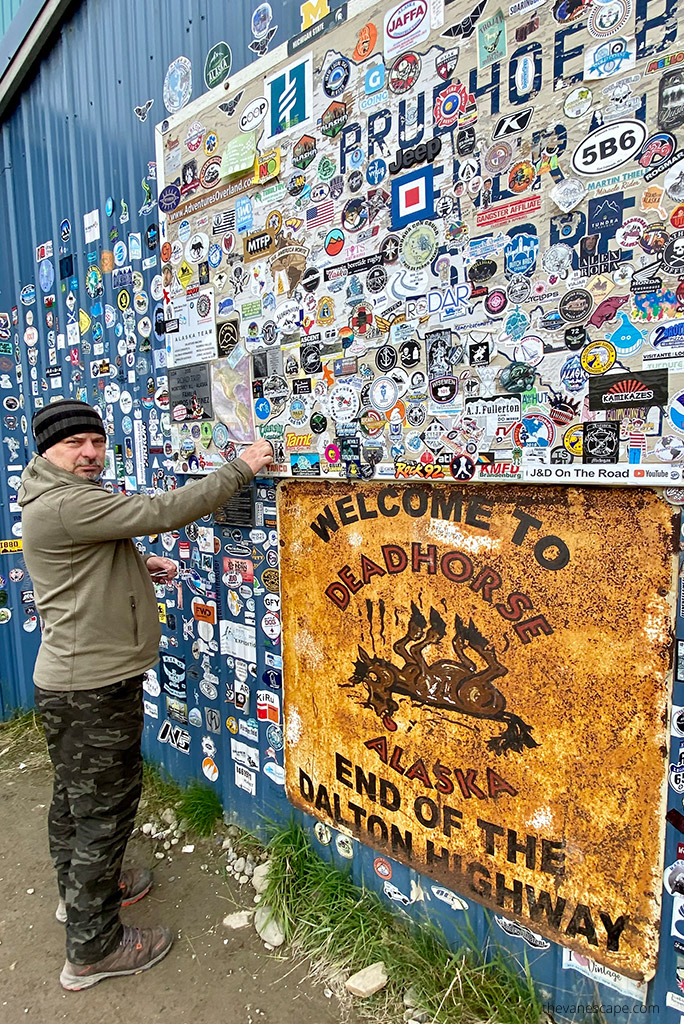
{"x":93,"y":737}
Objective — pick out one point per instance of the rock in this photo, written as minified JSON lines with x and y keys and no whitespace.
{"x":188,"y":849}
{"x":258,"y":897}
{"x":410,"y":997}
{"x":240,"y":919}
{"x":249,"y":870}
{"x":148,"y":828}
{"x":168,"y":816}
{"x":368,"y":981}
{"x":167,"y":845}
{"x":174,"y":841}
{"x":227,"y":844}
{"x":240,"y":865}
{"x":159,"y":856}
{"x":267,"y":927}
{"x":260,"y":876}
{"x":30,"y":892}
{"x":233,"y":831}
{"x":243,"y":879}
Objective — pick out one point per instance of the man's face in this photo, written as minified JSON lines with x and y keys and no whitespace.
{"x":82,"y":454}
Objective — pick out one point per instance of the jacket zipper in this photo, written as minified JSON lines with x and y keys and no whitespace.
{"x":135,"y":621}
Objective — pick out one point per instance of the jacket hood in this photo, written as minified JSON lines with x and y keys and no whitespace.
{"x":41,"y":476}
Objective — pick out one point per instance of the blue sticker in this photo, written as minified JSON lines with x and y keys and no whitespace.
{"x":262,"y":408}
{"x":413,"y":197}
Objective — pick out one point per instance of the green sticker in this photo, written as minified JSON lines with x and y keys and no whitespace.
{"x":217,"y":65}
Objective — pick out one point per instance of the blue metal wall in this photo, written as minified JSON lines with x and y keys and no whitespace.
{"x":75,"y":144}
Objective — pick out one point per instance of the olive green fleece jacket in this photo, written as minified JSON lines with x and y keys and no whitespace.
{"x":92,"y":590}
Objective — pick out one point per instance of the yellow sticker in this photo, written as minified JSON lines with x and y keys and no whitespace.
{"x":8,"y":547}
{"x":123,"y":299}
{"x":84,"y":321}
{"x":598,"y":356}
{"x":185,"y":273}
{"x":573,"y":439}
{"x":162,"y":613}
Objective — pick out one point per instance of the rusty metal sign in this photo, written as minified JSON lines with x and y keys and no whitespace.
{"x":476,"y":684}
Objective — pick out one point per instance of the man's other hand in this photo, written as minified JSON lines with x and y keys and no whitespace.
{"x":162,"y":570}
{"x":258,"y":455}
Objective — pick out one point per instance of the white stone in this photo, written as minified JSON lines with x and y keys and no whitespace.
{"x":240,"y":865}
{"x":368,"y":981}
{"x":410,"y":997}
{"x":159,"y":856}
{"x":260,"y":876}
{"x":188,"y":849}
{"x":239,"y":919}
{"x":148,"y":828}
{"x":268,"y":929}
{"x":227,"y":844}
{"x":169,"y":817}
{"x":243,"y":879}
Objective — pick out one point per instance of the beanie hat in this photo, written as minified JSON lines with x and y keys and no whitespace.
{"x":59,"y":420}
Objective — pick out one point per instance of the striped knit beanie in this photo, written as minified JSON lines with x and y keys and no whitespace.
{"x":55,"y":422}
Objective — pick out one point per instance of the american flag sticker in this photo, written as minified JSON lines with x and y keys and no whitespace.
{"x":268,"y":706}
{"x":321,"y":214}
{"x":413,"y":197}
{"x":221,"y":222}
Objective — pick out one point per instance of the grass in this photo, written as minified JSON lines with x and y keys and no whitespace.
{"x":22,"y":744}
{"x":343,"y":928}
{"x":160,"y":791}
{"x":201,"y":808}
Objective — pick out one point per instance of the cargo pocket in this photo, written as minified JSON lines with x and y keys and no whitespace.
{"x":134,"y":612}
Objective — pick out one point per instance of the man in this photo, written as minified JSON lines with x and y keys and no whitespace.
{"x":101,"y":633}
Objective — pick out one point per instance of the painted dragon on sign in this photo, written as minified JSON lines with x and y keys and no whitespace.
{"x":451,"y":685}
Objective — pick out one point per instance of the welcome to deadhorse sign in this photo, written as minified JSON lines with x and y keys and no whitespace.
{"x":476,"y":683}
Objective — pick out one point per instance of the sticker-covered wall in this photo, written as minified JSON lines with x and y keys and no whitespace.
{"x":446,"y":240}
{"x":408,"y":241}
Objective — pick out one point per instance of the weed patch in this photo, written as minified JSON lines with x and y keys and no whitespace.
{"x":343,"y":928}
{"x":22,"y":744}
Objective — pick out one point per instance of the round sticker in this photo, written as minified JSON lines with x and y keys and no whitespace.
{"x":323,"y":833}
{"x":598,"y":357}
{"x":404,"y":73}
{"x":675,"y":411}
{"x":345,"y":846}
{"x":177,"y":84}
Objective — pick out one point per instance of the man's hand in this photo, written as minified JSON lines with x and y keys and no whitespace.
{"x":258,"y":455}
{"x":162,"y":570}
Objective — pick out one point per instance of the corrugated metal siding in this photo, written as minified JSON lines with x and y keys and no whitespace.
{"x":72,"y":142}
{"x":8,"y":8}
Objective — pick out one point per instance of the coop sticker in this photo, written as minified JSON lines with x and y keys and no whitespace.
{"x":608,"y":147}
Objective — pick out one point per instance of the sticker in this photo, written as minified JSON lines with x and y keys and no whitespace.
{"x":608,"y":147}
{"x":177,"y":84}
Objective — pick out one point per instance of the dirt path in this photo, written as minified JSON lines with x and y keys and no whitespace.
{"x":204,"y":978}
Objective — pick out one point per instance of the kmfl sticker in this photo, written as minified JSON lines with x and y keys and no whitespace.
{"x":598,"y":356}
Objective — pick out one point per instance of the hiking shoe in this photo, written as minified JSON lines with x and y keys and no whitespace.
{"x":134,"y":884}
{"x":139,"y":949}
